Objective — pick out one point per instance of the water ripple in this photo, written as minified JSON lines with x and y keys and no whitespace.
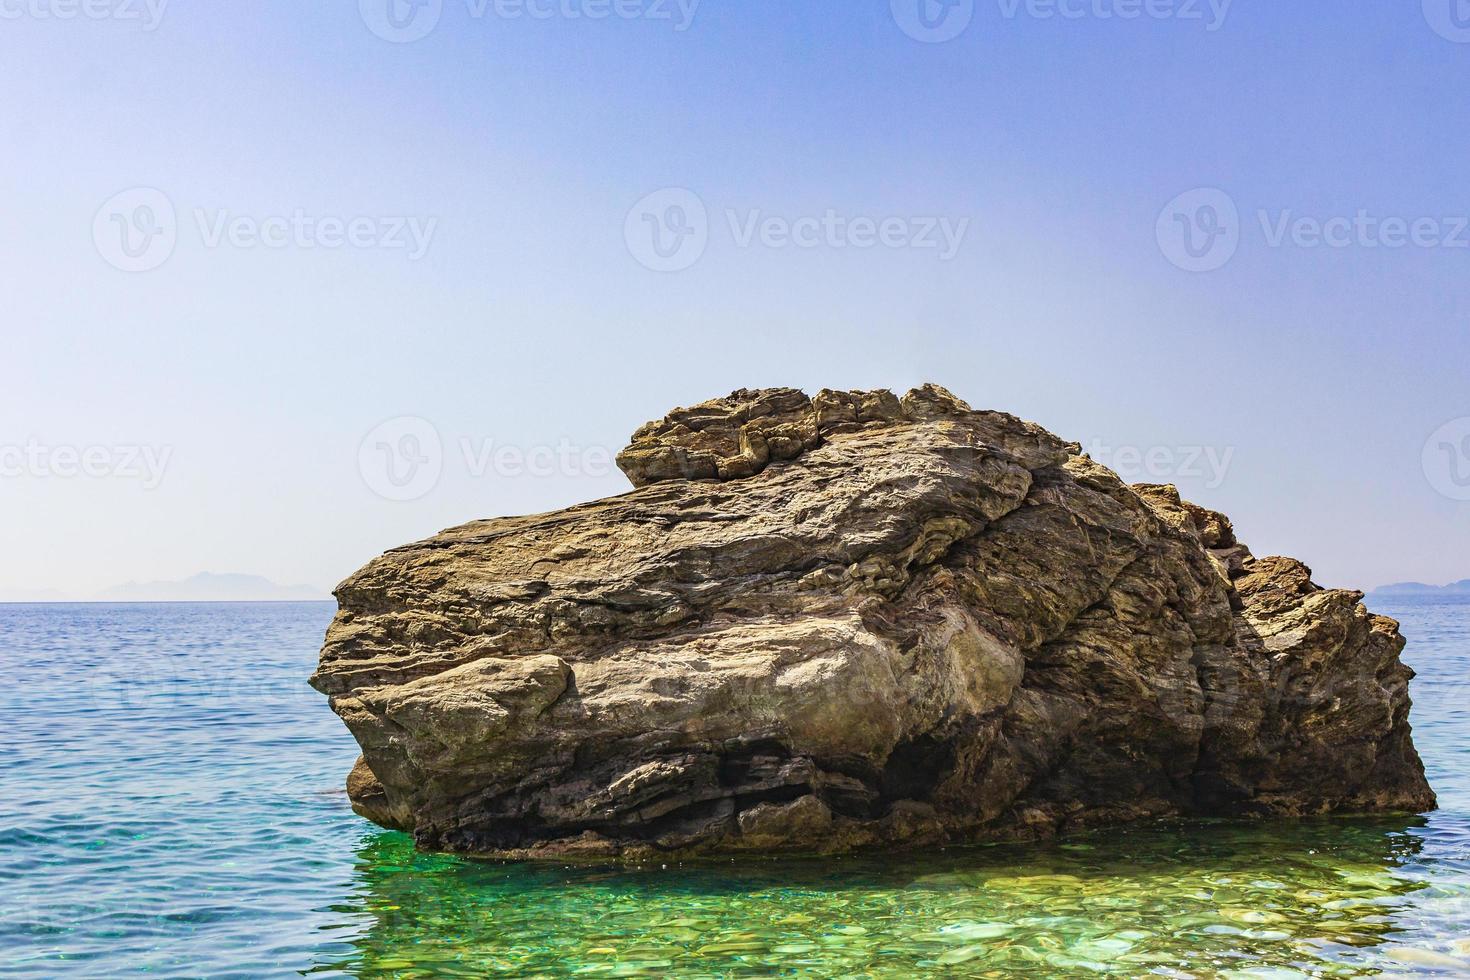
{"x":171,"y":804}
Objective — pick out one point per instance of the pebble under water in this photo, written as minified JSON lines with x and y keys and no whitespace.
{"x":171,"y":805}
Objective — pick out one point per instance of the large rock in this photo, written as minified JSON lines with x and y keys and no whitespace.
{"x":849,"y":621}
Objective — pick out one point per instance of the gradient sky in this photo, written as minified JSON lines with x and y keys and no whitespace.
{"x":1317,"y":374}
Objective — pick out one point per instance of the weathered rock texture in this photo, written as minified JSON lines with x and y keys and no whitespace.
{"x":848,"y":621}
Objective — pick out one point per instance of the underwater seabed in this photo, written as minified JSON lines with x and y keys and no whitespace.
{"x":1341,"y":897}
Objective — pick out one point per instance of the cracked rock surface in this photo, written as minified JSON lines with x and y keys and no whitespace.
{"x":850,"y":621}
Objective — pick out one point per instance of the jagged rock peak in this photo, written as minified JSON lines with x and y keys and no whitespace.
{"x":741,"y":434}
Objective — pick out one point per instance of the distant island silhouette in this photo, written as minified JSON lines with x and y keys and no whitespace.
{"x":1461,"y":587}
{"x":204,"y":587}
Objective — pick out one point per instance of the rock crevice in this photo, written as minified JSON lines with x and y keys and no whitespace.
{"x":855,"y":620}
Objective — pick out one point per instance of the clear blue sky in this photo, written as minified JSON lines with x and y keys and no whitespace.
{"x":522,"y":144}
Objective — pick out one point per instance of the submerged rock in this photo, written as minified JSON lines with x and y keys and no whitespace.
{"x":855,"y":620}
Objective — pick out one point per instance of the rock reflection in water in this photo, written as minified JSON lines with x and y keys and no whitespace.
{"x":1310,"y":898}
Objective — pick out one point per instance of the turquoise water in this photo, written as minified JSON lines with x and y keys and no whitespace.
{"x":171,"y":806}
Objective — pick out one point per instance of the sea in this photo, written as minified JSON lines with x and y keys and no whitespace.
{"x":172,"y":805}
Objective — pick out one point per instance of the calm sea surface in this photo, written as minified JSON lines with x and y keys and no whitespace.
{"x":171,"y":805}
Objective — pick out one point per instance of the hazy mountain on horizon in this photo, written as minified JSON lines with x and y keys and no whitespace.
{"x":213,"y":587}
{"x":1461,"y":587}
{"x":32,"y":595}
{"x":204,"y":587}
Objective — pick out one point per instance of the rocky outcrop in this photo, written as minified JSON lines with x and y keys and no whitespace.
{"x":848,"y":621}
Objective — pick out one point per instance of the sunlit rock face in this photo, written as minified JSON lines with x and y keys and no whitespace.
{"x":853,"y":621}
